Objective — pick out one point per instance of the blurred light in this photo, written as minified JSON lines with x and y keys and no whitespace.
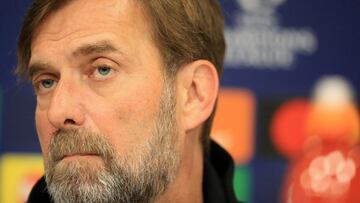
{"x":333,"y":115}
{"x":329,"y":175}
{"x":242,"y":183}
{"x":18,"y":174}
{"x":338,"y":125}
{"x":26,"y":184}
{"x":333,"y":91}
{"x":287,"y":128}
{"x":234,"y":123}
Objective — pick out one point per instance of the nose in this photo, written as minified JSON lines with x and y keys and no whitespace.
{"x":66,"y":110}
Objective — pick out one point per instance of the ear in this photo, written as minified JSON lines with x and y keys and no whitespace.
{"x":198,"y":85}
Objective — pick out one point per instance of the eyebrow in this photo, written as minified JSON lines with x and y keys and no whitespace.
{"x":96,"y":47}
{"x":85,"y":49}
{"x":37,"y":67}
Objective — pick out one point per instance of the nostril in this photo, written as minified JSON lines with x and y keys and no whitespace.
{"x":69,"y":121}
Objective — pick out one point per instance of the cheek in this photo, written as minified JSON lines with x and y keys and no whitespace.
{"x":127,"y":118}
{"x":44,"y":129}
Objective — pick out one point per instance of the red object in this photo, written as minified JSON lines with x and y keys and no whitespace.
{"x":287,"y":128}
{"x":334,"y":124}
{"x":327,"y":173}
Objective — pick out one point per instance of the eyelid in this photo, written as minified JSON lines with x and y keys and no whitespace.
{"x":36,"y":82}
{"x":95,"y":75}
{"x":40,"y":76}
{"x":43,"y":73}
{"x":103,"y":63}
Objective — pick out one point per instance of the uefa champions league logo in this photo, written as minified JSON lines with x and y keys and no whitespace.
{"x":258,"y":12}
{"x":258,"y":41}
{"x":265,"y":7}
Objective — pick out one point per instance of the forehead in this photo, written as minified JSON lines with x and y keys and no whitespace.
{"x":92,"y":18}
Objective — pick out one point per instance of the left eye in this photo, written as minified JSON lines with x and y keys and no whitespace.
{"x":103,"y":70}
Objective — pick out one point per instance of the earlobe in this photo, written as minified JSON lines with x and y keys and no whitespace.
{"x":199,"y":83}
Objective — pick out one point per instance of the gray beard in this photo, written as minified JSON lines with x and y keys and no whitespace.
{"x":138,"y":177}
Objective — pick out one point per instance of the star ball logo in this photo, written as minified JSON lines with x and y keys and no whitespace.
{"x":258,"y":41}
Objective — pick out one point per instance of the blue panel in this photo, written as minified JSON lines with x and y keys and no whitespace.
{"x":19,"y":124}
{"x":267,"y":180}
{"x":337,"y":40}
{"x":11,"y":16}
{"x":1,"y":118}
{"x":18,"y":103}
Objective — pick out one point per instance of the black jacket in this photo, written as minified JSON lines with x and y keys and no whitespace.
{"x":218,"y":176}
{"x":217,"y":181}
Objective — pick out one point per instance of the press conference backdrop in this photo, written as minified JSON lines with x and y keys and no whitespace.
{"x":288,"y":110}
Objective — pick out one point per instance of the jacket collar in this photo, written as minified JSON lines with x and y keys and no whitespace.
{"x":218,"y":176}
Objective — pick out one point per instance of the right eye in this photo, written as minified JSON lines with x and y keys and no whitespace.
{"x":44,"y":85}
{"x":47,"y":83}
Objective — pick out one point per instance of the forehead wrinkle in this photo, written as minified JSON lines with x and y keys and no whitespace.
{"x":102,"y":46}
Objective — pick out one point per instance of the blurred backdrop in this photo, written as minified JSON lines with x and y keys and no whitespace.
{"x":288,"y":109}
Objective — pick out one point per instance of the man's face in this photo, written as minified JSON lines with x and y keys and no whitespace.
{"x":103,"y":106}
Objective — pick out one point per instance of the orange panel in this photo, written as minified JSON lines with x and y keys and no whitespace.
{"x":234,"y":123}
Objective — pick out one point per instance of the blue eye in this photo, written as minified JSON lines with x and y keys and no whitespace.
{"x":104,"y":70}
{"x":47,"y":83}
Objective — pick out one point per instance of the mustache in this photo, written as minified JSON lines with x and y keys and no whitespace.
{"x":68,"y":142}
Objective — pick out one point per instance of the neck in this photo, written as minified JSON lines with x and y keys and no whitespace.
{"x":187,"y":186}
